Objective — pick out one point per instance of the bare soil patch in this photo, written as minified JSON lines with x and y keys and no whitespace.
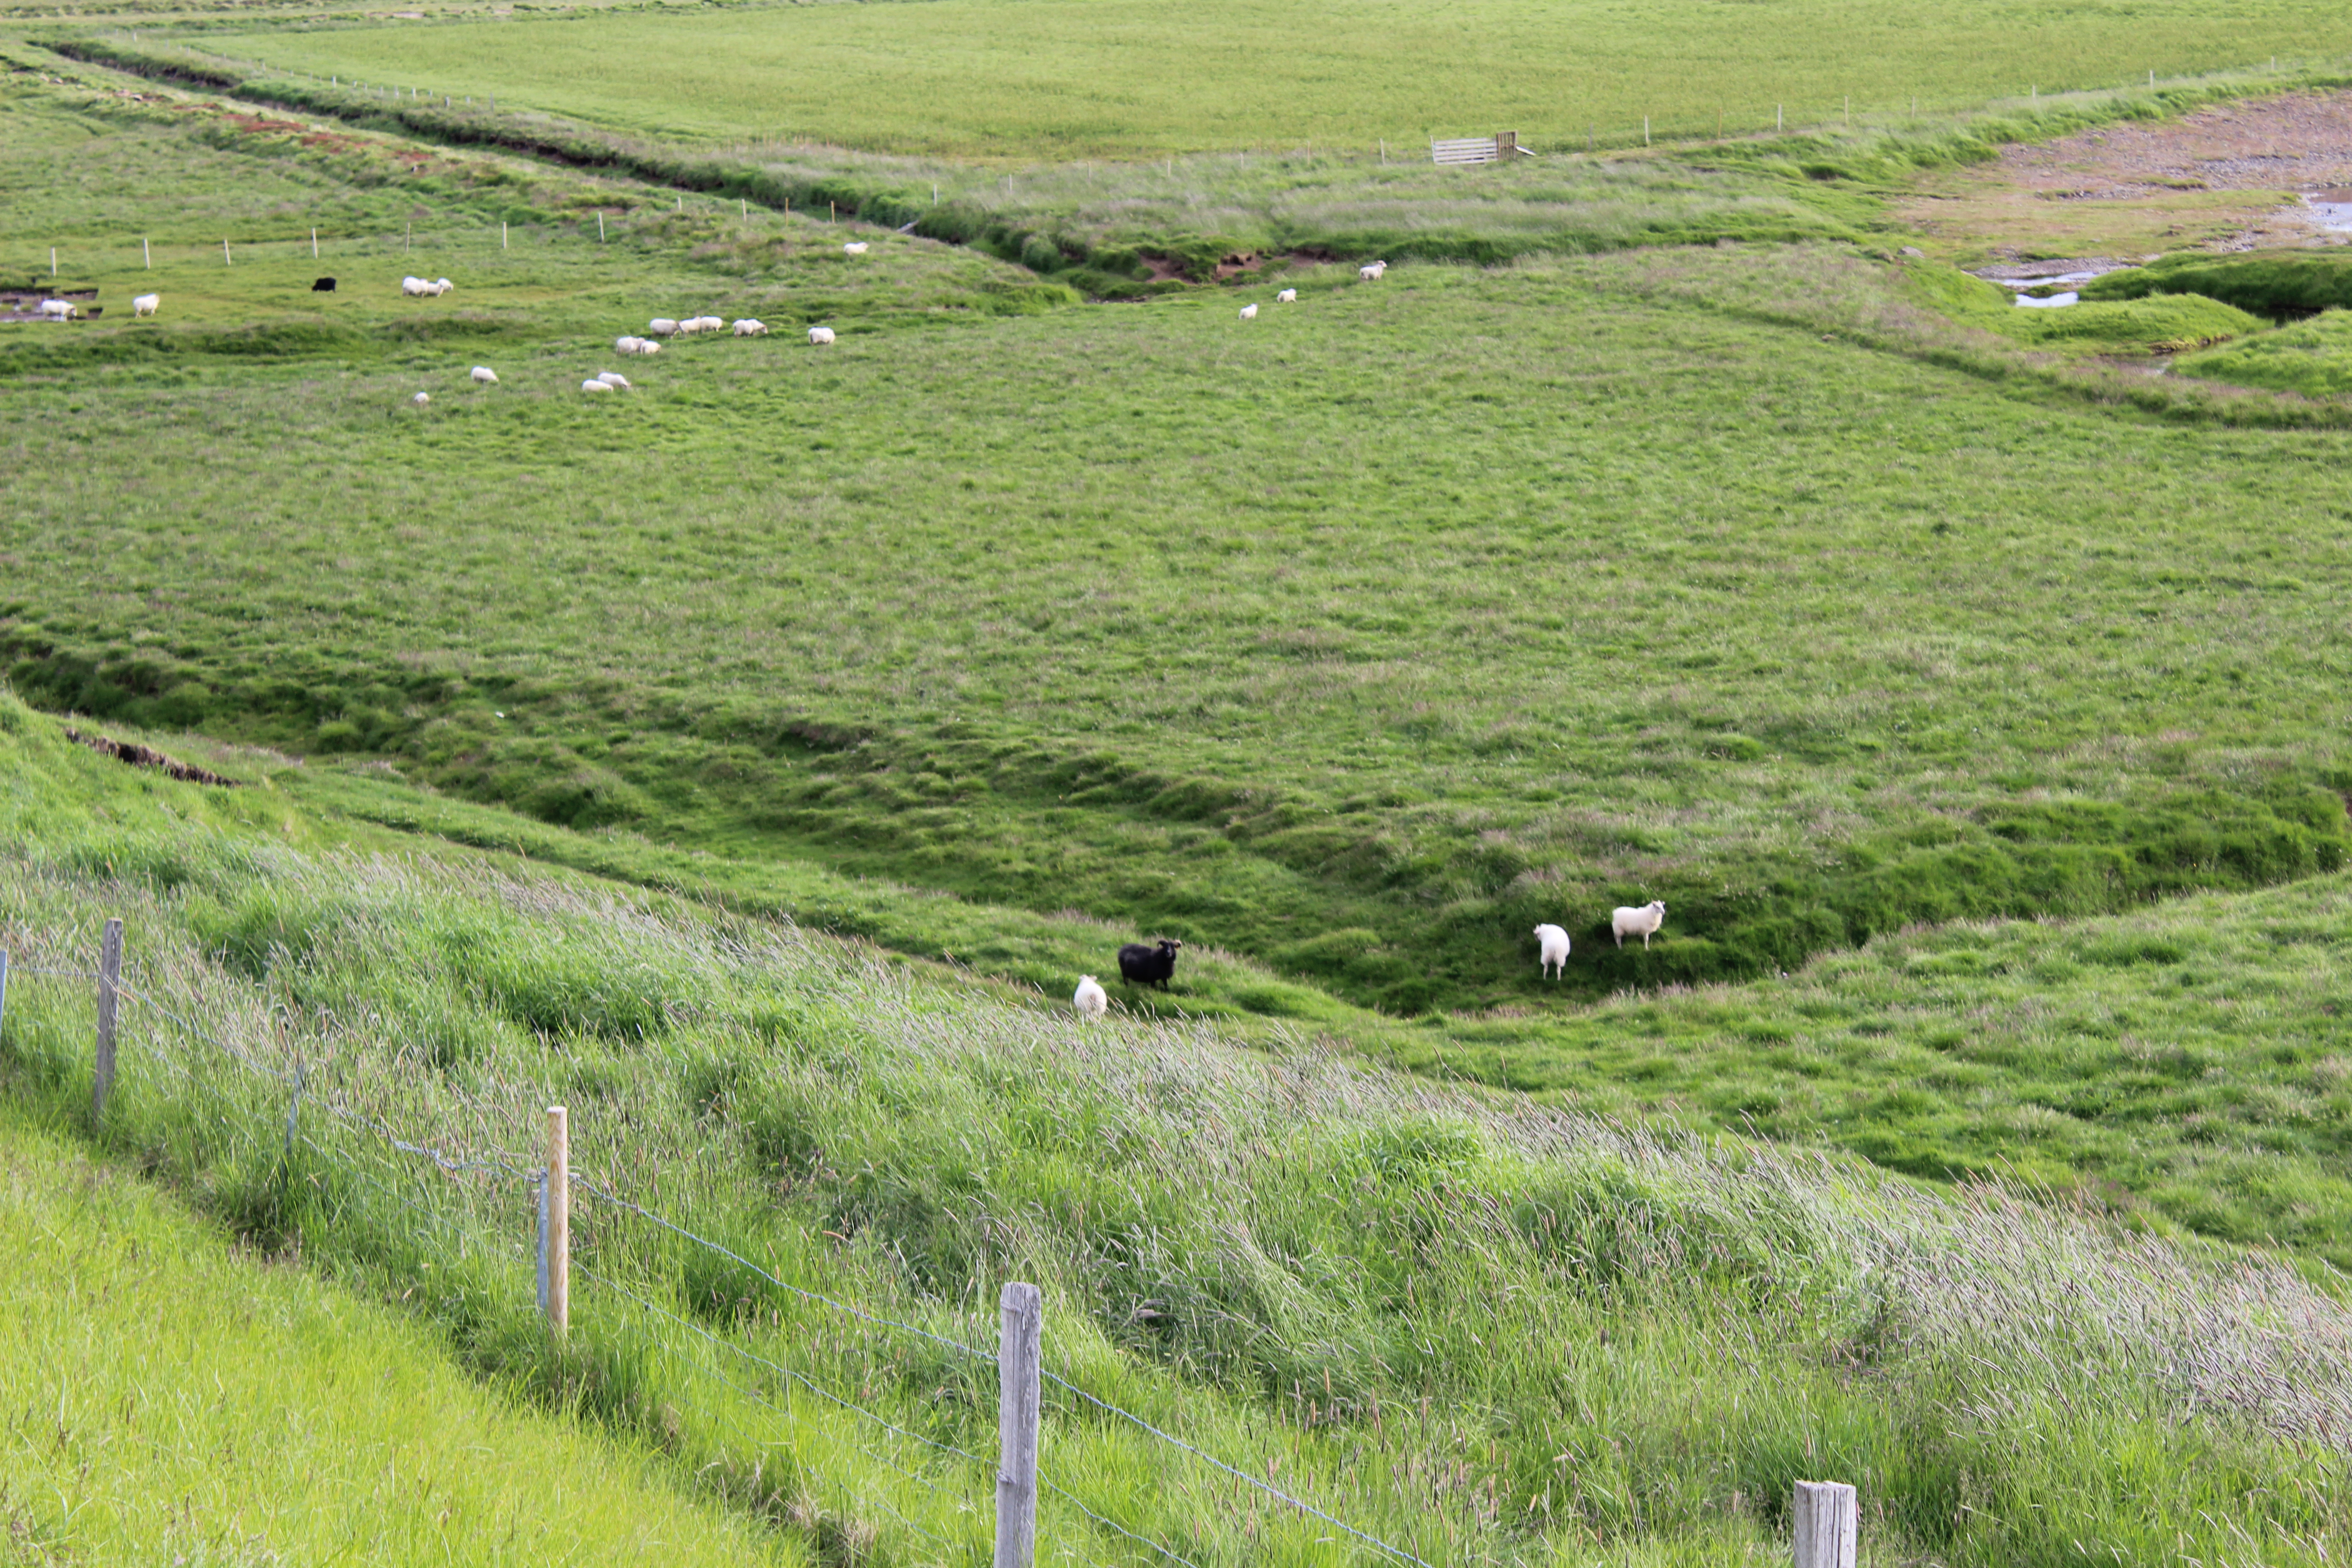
{"x":2230,"y":177}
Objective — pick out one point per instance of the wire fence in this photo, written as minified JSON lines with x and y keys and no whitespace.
{"x":507,"y":1175}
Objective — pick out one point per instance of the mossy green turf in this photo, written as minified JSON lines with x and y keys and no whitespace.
{"x":1489,"y":1334}
{"x":2313,"y":357}
{"x":1061,"y":78}
{"x":170,"y":1401}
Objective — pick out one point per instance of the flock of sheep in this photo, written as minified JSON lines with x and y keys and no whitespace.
{"x":660,"y":326}
{"x":1370,"y":272}
{"x":1152,"y":964}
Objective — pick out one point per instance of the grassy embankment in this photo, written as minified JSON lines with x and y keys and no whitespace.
{"x":1490,"y":1332}
{"x":172,"y":1400}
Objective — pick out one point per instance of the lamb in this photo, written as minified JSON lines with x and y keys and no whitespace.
{"x":146,"y":304}
{"x":1089,"y":999}
{"x":56,"y":311}
{"x":412,"y":287}
{"x":1554,"y":941}
{"x":442,"y":286}
{"x":1287,"y":297}
{"x":688,"y":327}
{"x":1370,"y":271}
{"x":597,"y":386}
{"x":820,"y":334}
{"x":614,"y":379}
{"x":1249,"y":312}
{"x":855,"y":248}
{"x":648,"y":346}
{"x":751,"y":328}
{"x":628,"y":345}
{"x":484,"y":376}
{"x":1148,"y":964}
{"x":662,"y":327}
{"x":421,"y":399}
{"x":322,"y":285}
{"x":1642,"y":922}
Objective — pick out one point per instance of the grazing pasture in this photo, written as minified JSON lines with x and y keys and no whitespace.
{"x":1050,"y":79}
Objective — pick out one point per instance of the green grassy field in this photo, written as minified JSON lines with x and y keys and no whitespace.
{"x":1486,"y":1332}
{"x":1198,"y":623}
{"x":170,"y":1399}
{"x":1088,"y":79}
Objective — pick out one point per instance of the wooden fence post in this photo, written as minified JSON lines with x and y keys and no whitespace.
{"x":555,"y":1245}
{"x":1018,"y":1359}
{"x":4,"y":989}
{"x":110,"y":975}
{"x":1827,"y":1520}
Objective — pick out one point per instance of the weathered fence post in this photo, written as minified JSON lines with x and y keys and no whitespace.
{"x":110,"y":975}
{"x":1018,"y":1359}
{"x":555,"y":1239}
{"x":3,"y":987}
{"x":1827,"y":1520}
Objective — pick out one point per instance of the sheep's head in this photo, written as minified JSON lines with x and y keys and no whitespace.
{"x":1168,"y":944}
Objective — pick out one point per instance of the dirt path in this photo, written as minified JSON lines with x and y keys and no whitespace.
{"x":2226,"y":178}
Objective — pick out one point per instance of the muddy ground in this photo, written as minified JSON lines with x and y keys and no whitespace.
{"x":2232,"y":177}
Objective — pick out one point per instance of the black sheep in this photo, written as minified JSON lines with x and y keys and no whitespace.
{"x":323,"y":286}
{"x":1139,"y":963}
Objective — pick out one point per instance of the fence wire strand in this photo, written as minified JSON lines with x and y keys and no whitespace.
{"x":1208,"y":1458}
{"x":1072,"y":1499}
{"x":753,"y":1394}
{"x":596,"y":1192}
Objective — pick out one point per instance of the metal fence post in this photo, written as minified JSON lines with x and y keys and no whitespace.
{"x":555,"y":1249}
{"x":110,"y":975}
{"x":1828,"y":1517}
{"x":1019,"y":1355}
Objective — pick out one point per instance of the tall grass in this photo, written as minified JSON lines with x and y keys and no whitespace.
{"x":1486,"y":1332}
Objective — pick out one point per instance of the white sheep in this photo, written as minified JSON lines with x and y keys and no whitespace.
{"x":1554,"y":943}
{"x":421,"y":399}
{"x":595,"y":386}
{"x":1249,"y":312}
{"x":662,"y":327}
{"x":146,"y":304}
{"x":648,"y":346}
{"x":1370,"y":271}
{"x":614,"y":378}
{"x":750,"y":327}
{"x":855,"y":248}
{"x":1642,"y":922}
{"x":485,"y":376}
{"x":412,"y":287}
{"x":57,"y":311}
{"x":820,"y":334}
{"x":695,"y":324}
{"x":1089,"y":998}
{"x":628,"y":345}
{"x":442,"y":286}
{"x":1287,"y":297}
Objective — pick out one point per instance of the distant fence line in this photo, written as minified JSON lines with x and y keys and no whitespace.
{"x":1018,"y":1358}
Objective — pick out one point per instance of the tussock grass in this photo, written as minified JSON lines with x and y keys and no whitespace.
{"x":1487,"y":1332}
